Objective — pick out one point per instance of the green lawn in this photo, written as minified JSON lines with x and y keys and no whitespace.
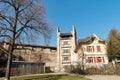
{"x":48,"y":77}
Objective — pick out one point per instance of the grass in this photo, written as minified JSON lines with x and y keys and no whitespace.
{"x":48,"y":77}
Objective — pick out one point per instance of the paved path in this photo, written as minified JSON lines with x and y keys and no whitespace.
{"x":103,"y":77}
{"x":92,"y":77}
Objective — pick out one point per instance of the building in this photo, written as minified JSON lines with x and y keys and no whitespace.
{"x":92,"y":52}
{"x":88,"y":52}
{"x":66,"y":43}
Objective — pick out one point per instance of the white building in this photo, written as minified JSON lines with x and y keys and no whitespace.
{"x":92,"y":51}
{"x":66,"y":43}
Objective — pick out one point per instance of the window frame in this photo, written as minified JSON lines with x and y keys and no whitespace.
{"x":65,"y":43}
{"x":66,"y":50}
{"x":90,"y":60}
{"x":65,"y":58}
{"x":89,"y":48}
{"x":99,"y":59}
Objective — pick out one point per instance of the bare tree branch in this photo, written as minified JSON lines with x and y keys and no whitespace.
{"x":22,"y":19}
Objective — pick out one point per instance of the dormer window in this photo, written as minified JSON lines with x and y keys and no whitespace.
{"x":92,"y":39}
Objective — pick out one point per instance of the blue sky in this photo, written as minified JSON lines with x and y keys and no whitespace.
{"x":88,"y":16}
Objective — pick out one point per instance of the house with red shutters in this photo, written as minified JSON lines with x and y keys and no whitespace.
{"x":91,"y":51}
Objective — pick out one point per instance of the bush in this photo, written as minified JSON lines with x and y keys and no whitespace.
{"x":78,"y":71}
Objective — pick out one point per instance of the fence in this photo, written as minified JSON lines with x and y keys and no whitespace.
{"x":22,"y":68}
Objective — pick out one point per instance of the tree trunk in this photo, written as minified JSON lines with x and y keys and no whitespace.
{"x":8,"y":68}
{"x":9,"y":62}
{"x":11,"y":47}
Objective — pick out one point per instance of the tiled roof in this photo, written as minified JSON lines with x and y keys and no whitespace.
{"x":88,"y":40}
{"x":85,"y":39}
{"x":91,"y":38}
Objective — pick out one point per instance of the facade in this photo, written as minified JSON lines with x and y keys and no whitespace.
{"x":92,"y":52}
{"x":65,"y":49}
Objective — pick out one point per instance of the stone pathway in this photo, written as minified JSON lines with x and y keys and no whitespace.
{"x":103,"y":77}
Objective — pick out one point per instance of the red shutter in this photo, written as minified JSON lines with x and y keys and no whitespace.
{"x":86,"y":48}
{"x":98,"y":49}
{"x":103,"y":59}
{"x":94,"y":60}
{"x":93,"y":48}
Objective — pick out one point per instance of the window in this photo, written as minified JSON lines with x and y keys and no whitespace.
{"x":66,"y":51}
{"x":98,"y":49}
{"x":65,"y":43}
{"x":99,"y":59}
{"x":90,"y":59}
{"x":65,"y":59}
{"x":90,"y":48}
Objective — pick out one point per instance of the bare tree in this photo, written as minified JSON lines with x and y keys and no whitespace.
{"x":21,"y":20}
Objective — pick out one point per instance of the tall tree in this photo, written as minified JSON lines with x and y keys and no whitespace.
{"x":113,"y":45}
{"x":21,"y":20}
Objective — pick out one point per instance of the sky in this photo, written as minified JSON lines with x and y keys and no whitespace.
{"x":88,"y":16}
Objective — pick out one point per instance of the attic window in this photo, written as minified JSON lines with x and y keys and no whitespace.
{"x":93,"y":38}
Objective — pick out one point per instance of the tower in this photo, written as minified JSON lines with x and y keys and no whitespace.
{"x":65,"y":49}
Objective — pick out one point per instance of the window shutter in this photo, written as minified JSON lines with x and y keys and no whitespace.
{"x":93,"y":48}
{"x":94,"y":60}
{"x":98,"y":49}
{"x":86,"y":48}
{"x":103,"y":59}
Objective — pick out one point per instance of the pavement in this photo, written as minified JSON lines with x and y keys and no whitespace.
{"x":93,"y":77}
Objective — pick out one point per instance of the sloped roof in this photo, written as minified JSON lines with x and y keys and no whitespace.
{"x":88,"y":40}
